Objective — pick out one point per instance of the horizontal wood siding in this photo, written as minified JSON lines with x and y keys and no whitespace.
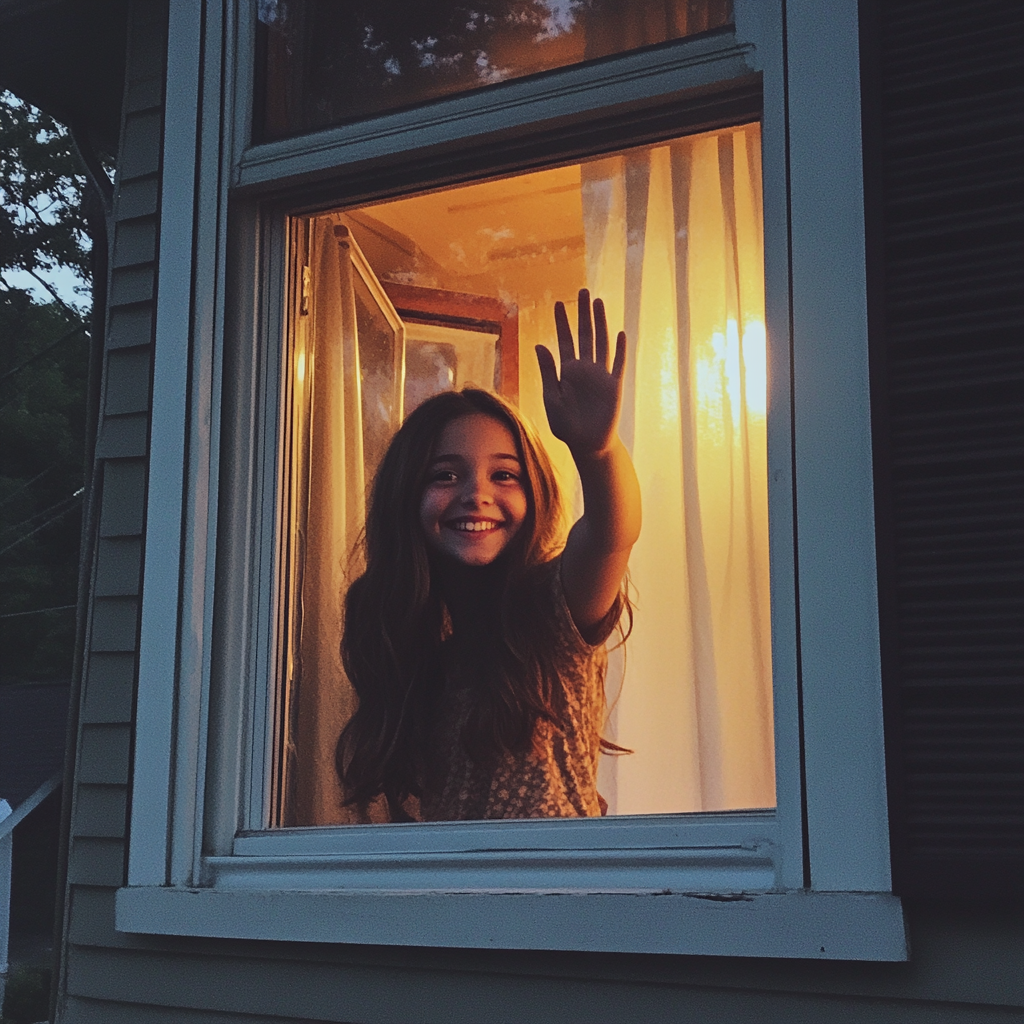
{"x":949,"y":109}
{"x":969,"y":971}
{"x":98,"y":825}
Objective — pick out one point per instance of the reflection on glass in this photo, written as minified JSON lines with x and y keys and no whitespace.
{"x":323,"y":62}
{"x":441,"y":358}
{"x":670,"y":237}
{"x":380,"y":368}
{"x":429,"y":369}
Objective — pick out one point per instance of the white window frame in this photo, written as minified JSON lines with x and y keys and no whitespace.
{"x":810,"y":879}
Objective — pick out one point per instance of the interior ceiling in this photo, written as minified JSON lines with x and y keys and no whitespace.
{"x":67,"y":57}
{"x":512,"y":234}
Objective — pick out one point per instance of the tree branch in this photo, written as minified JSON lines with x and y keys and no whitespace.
{"x":71,"y":311}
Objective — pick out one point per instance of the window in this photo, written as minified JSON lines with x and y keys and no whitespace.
{"x":813,"y":869}
{"x":320,"y":63}
{"x":670,"y":236}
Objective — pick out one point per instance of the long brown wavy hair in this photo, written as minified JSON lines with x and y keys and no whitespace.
{"x":396,"y":618}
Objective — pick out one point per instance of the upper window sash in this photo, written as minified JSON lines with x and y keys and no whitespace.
{"x":518,"y":107}
{"x":369,"y":76}
{"x":184,"y":802}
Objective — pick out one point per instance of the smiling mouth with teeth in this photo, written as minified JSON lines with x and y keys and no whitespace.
{"x":468,"y":526}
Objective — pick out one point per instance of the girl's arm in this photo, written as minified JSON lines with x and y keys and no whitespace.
{"x":583,"y":411}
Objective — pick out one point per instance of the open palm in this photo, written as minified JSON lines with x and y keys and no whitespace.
{"x":583,"y":403}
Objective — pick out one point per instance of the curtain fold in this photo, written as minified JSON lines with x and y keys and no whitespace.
{"x":330,"y":514}
{"x":674,"y":246}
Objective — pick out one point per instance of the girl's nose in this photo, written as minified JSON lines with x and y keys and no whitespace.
{"x":478,"y":491}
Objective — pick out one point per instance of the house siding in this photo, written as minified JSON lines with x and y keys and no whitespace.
{"x":967,"y":965}
{"x":98,"y":822}
{"x":948,"y":372}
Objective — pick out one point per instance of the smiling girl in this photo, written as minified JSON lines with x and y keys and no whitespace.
{"x":475,"y":638}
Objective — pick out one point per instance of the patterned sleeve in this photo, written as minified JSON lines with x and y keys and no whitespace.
{"x":567,"y":627}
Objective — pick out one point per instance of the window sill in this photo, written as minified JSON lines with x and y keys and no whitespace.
{"x":803,"y":925}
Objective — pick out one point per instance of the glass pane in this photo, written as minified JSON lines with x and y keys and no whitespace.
{"x":344,"y":405}
{"x":324,"y":62}
{"x":670,"y":237}
{"x":379,"y":376}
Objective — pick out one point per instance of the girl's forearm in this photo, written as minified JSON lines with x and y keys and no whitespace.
{"x":597,"y":551}
{"x":611,"y":499}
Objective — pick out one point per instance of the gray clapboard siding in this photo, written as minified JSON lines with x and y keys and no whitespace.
{"x":114,"y":623}
{"x":99,"y":812}
{"x":135,"y":241}
{"x":140,"y":146}
{"x":97,"y":852}
{"x":261,"y":990}
{"x":128,"y":325}
{"x":109,"y":682}
{"x":93,"y":1011}
{"x":118,"y":567}
{"x":132,"y":284}
{"x":97,"y":862}
{"x":124,"y":491}
{"x":92,"y":919}
{"x":103,"y":754}
{"x":96,"y":1012}
{"x":143,"y":95}
{"x":138,"y":198}
{"x":123,"y":437}
{"x":965,"y":971}
{"x":127,"y":381}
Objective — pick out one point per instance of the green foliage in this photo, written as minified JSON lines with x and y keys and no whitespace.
{"x":42,"y":226}
{"x":43,"y":372}
{"x":27,"y":997}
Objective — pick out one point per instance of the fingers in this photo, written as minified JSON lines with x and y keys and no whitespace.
{"x":619,"y":365}
{"x":592,"y":333}
{"x":548,"y":374}
{"x":586,"y":329}
{"x":600,"y":335}
{"x":566,"y":349}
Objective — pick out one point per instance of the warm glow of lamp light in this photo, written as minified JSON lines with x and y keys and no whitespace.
{"x":300,"y":367}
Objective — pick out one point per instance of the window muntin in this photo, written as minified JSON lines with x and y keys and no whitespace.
{"x":321,"y":63}
{"x":670,"y":236}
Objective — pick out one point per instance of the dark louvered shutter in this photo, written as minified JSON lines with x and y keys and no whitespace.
{"x":944,"y":162}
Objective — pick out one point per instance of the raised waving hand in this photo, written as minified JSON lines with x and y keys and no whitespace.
{"x":583,"y":404}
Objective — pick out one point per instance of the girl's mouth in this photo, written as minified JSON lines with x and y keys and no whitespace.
{"x":473,"y":525}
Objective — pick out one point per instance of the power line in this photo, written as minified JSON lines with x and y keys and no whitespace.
{"x":39,"y":611}
{"x":44,"y":512}
{"x":42,"y":352}
{"x":41,"y":526}
{"x":27,"y":483}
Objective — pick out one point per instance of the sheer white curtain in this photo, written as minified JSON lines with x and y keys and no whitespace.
{"x":328,"y":499}
{"x":674,"y":247}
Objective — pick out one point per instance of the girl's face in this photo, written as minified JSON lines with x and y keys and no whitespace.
{"x":474,"y":502}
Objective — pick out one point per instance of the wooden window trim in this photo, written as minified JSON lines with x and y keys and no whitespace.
{"x":195,"y":869}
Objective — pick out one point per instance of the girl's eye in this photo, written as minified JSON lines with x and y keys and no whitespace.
{"x":442,"y":476}
{"x":505,"y":475}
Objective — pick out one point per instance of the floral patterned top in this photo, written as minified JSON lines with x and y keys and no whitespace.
{"x":557,"y":776}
